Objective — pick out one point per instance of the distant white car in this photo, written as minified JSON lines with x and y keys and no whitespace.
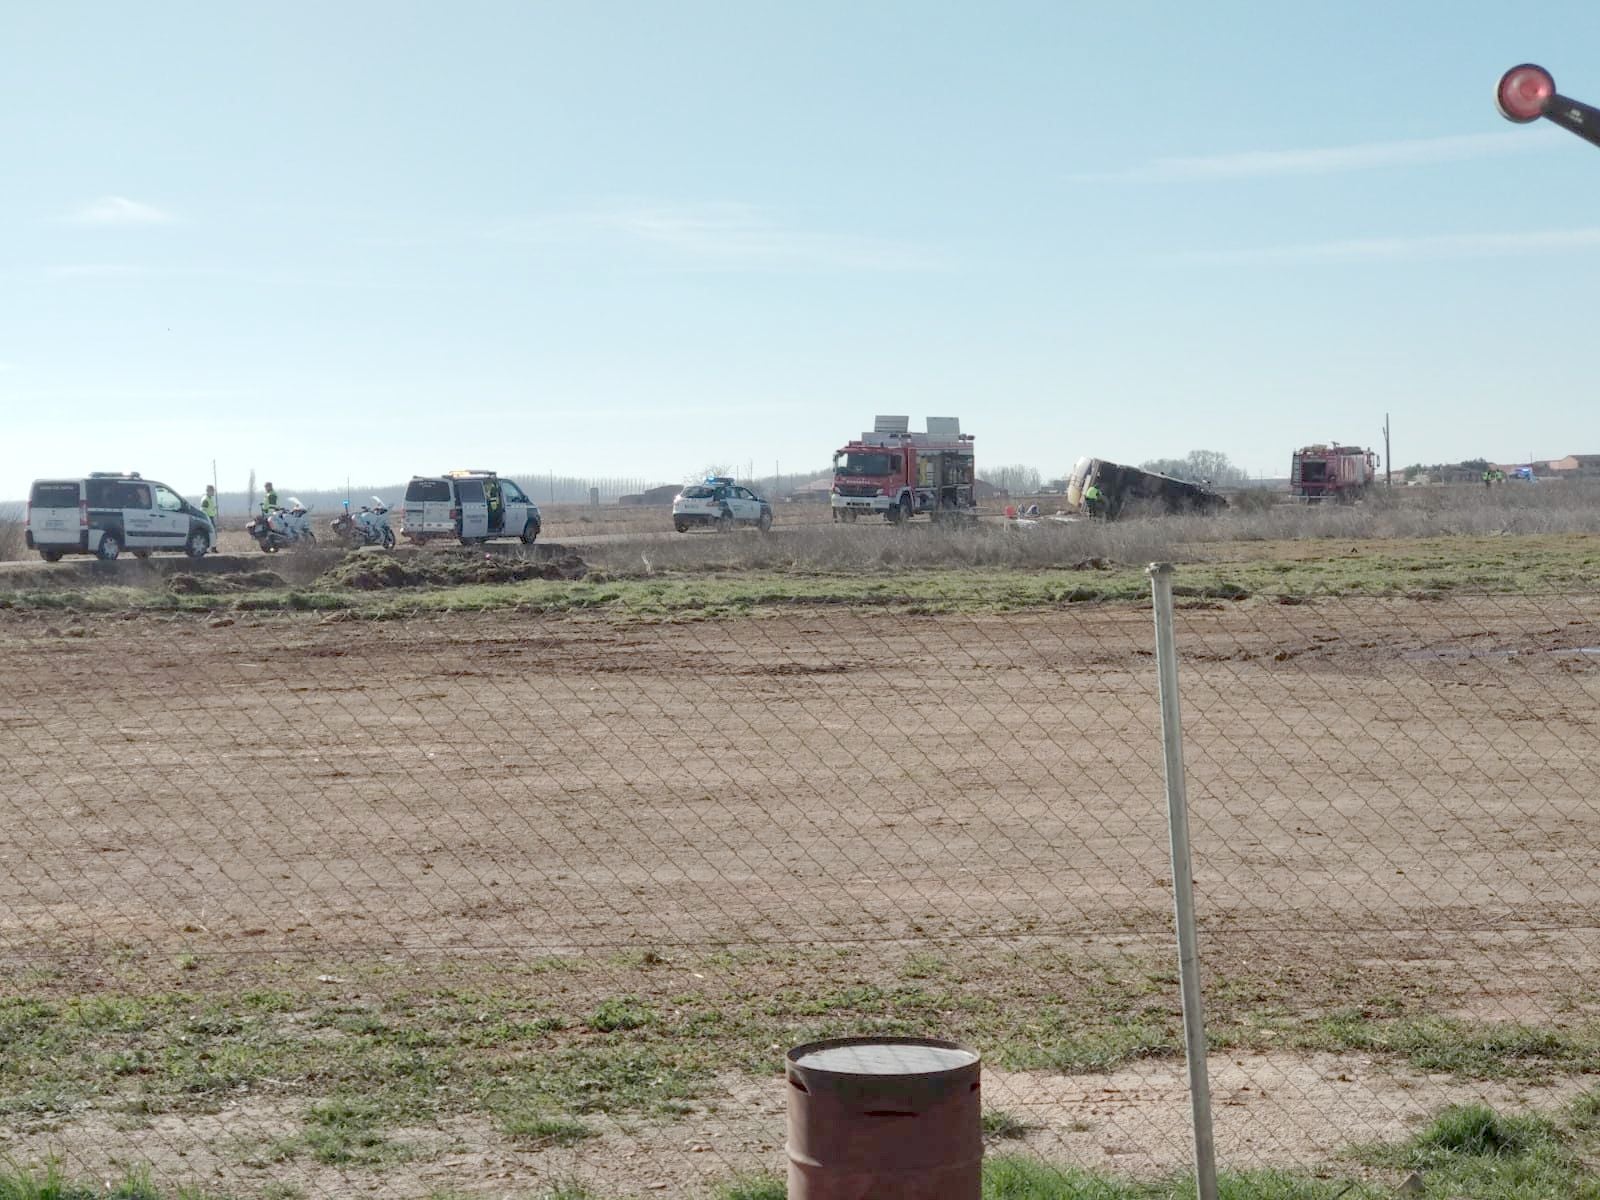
{"x":721,"y":504}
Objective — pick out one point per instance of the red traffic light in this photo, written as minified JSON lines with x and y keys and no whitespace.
{"x":1523,"y":93}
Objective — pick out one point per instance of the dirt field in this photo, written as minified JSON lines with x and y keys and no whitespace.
{"x":1392,"y":808}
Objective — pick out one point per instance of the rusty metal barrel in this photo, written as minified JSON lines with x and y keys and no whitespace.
{"x":884,"y":1119}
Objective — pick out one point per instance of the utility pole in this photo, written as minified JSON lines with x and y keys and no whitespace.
{"x":1388,"y":467}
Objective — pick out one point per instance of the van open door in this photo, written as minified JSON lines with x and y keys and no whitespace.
{"x":474,"y":509}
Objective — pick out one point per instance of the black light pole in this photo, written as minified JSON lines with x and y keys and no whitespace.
{"x":1528,"y":92}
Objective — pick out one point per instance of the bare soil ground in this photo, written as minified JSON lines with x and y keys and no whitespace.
{"x":1392,"y":805}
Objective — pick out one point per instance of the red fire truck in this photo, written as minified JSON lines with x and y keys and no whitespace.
{"x":1331,"y":472}
{"x":894,"y":473}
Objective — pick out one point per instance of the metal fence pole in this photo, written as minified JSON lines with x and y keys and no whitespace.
{"x":1194,"y":1030}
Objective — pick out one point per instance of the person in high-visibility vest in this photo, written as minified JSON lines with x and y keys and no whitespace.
{"x":1094,"y":500}
{"x":209,"y":504}
{"x":269,"y":498}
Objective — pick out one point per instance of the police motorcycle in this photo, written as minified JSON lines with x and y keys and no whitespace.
{"x":367,"y":527}
{"x":283,"y":528}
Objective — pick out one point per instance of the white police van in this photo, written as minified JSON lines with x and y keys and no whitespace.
{"x":468,"y":507}
{"x":106,"y":513}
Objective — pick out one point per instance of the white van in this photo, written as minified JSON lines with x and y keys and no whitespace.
{"x":468,"y":507}
{"x":105,"y":513}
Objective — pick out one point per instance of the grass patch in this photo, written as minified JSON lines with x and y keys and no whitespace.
{"x":540,"y":1129}
{"x":1470,"y":1150}
{"x":1001,"y":1125}
{"x":1478,"y":1050}
{"x":754,"y":1187}
{"x":343,"y":1132}
{"x":619,"y":1013}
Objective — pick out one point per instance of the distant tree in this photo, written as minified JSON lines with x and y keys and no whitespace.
{"x":1016,"y":479}
{"x":1200,"y":466}
{"x":1414,"y":470}
{"x":1476,"y":465}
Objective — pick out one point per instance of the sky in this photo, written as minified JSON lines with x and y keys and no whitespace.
{"x":368,"y":240}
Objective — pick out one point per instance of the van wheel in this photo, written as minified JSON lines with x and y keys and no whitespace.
{"x":110,"y":547}
{"x":530,"y":533}
{"x":197,"y":545}
{"x":765,"y":524}
{"x":50,"y":555}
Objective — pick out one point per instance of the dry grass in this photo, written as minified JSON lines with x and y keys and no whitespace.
{"x":824,"y":548}
{"x":12,"y":547}
{"x":575,"y":521}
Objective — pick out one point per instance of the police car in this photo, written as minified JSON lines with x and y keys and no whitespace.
{"x":106,"y":513}
{"x":721,"y":503}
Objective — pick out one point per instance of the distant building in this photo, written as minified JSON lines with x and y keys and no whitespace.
{"x":664,"y":494}
{"x":1572,"y":464}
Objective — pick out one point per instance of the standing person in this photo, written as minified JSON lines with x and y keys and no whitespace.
{"x":1094,"y":500}
{"x":209,"y":507}
{"x":497,"y":516}
{"x":269,"y":498}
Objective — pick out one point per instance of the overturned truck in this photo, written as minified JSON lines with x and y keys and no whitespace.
{"x":1123,"y":489}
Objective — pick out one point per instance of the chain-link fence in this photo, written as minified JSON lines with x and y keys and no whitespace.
{"x":488,"y":903}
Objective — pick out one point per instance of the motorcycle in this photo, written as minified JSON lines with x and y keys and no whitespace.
{"x":368,"y":527}
{"x":283,"y":528}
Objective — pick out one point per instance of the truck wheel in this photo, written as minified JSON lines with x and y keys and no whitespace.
{"x":110,"y":547}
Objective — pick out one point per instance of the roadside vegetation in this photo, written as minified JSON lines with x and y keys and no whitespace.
{"x":1442,"y":540}
{"x":553,"y":1052}
{"x":12,"y":546}
{"x":1468,"y":1150}
{"x":908,"y":571}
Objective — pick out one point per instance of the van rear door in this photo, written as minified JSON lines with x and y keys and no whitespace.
{"x":427,"y":510}
{"x":55,"y":517}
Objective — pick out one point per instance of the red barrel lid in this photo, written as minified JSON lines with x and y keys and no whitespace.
{"x":882,"y":1056}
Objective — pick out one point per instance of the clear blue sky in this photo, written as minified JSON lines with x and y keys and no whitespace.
{"x":373,"y":239}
